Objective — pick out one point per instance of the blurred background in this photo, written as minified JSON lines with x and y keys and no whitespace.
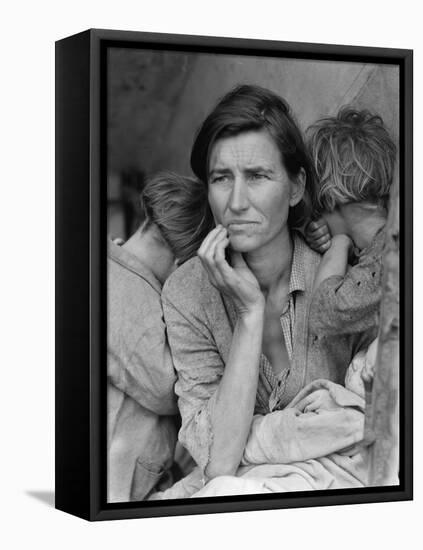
{"x":158,"y":99}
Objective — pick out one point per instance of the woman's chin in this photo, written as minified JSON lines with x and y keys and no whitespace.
{"x":242,"y":244}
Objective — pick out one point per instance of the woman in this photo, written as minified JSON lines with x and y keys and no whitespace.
{"x":141,"y":401}
{"x":237,"y":315}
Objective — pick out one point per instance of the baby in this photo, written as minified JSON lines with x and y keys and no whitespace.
{"x":354,"y":158}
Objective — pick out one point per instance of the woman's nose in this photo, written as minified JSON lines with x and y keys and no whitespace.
{"x":238,"y":200}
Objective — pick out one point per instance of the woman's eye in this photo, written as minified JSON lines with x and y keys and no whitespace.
{"x":259,"y":176}
{"x":219,"y":179}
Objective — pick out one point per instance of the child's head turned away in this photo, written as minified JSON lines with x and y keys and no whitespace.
{"x":354,"y":158}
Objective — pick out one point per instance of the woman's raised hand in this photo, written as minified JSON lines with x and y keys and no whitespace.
{"x":236,"y":281}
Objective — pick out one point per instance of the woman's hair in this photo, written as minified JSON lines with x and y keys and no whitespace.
{"x":178,"y":207}
{"x":248,"y":108}
{"x":354,"y":158}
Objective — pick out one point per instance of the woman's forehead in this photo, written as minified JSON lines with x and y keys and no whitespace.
{"x":248,"y":149}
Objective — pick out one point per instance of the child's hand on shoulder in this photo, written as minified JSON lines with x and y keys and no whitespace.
{"x":318,"y":235}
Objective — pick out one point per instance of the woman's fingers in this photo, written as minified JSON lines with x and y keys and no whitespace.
{"x":237,"y":280}
{"x":220,"y":258}
{"x":216,"y":241}
{"x":207,"y":248}
{"x":217,"y":264}
{"x":205,"y":245}
{"x":211,"y":249}
{"x":305,"y":402}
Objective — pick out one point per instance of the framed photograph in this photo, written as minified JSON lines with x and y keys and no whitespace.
{"x":233,"y":274}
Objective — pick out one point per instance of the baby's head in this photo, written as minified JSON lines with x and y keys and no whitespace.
{"x":354,"y":158}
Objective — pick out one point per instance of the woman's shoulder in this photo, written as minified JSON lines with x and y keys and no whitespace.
{"x":306,"y":258}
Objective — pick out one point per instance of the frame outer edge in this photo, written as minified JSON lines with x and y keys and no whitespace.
{"x":98,"y":187}
{"x":72,"y":263}
{"x":92,"y":508}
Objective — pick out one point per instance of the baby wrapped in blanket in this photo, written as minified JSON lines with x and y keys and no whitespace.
{"x":315,"y":443}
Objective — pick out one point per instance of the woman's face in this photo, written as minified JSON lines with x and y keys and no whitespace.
{"x":249,"y":190}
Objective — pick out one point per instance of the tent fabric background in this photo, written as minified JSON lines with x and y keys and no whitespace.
{"x":158,"y":99}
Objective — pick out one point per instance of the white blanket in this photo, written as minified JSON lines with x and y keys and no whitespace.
{"x":314,"y":443}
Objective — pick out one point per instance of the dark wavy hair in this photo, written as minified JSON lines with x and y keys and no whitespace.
{"x":178,"y":207}
{"x":247,"y":108}
{"x":354,"y":158}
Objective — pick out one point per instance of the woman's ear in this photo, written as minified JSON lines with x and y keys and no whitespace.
{"x":298,"y":188}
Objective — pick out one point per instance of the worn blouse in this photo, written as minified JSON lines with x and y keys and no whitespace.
{"x":200,"y":323}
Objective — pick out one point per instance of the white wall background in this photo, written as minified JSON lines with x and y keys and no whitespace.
{"x":28,"y":32}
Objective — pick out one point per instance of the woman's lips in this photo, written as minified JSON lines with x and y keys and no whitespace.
{"x":240,"y":222}
{"x":240,"y":225}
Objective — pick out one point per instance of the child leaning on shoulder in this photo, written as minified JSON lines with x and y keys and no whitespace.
{"x":354,"y":158}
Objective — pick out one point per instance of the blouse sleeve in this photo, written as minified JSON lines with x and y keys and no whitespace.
{"x":349,"y":304}
{"x":199,"y":369}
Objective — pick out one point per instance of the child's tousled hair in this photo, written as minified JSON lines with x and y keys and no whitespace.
{"x":354,"y":158}
{"x":177,"y":206}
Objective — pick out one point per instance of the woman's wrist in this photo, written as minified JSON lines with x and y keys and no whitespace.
{"x":253,"y":315}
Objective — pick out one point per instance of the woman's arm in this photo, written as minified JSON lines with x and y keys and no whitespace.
{"x":234,"y":401}
{"x":216,"y":393}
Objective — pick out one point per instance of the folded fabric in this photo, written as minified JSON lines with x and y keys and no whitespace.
{"x":322,"y":419}
{"x":315,"y":443}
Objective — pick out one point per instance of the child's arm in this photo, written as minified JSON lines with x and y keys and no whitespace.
{"x":335,"y":260}
{"x":348,"y":302}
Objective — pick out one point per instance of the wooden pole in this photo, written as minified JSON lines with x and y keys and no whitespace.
{"x":382,"y":411}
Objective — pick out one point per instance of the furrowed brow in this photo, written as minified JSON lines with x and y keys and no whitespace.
{"x":258,"y":168}
{"x":219,"y":171}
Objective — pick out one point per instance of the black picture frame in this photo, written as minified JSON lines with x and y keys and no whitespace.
{"x":81,"y":99}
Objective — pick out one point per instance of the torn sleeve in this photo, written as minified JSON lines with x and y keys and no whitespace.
{"x":349,"y":304}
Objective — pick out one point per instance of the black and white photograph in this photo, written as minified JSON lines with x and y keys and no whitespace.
{"x":210,"y":241}
{"x":253,"y":274}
